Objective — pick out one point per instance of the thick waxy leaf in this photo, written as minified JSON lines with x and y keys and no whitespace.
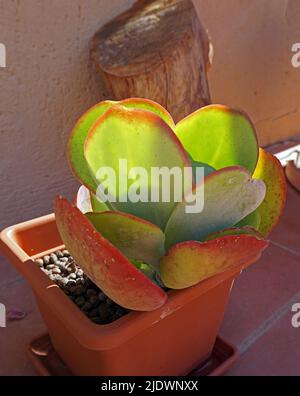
{"x":136,"y":238}
{"x":188,"y":263}
{"x":234,"y":231}
{"x":219,"y":136}
{"x":84,"y":124}
{"x":207,"y":170}
{"x":131,"y":144}
{"x":229,"y":195}
{"x":104,"y":264}
{"x":269,"y":170}
{"x":88,"y":202}
{"x":252,"y":220}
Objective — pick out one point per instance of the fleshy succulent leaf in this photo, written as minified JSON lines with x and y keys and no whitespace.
{"x":136,"y":238}
{"x":188,"y":263}
{"x":144,"y":141}
{"x":269,"y":170}
{"x":234,"y":231}
{"x":86,"y":201}
{"x":229,"y":195}
{"x":77,"y":139}
{"x":219,"y":136}
{"x":104,"y":264}
{"x":83,"y":125}
{"x":252,"y":220}
{"x":207,"y":170}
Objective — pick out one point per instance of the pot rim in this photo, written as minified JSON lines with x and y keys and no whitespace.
{"x":87,"y":333}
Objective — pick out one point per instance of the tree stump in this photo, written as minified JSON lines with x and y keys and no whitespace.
{"x":158,"y":50}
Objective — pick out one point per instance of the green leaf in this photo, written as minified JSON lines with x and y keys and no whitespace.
{"x":234,"y":231}
{"x":189,"y":263}
{"x":143,"y":140}
{"x":219,"y":136}
{"x":103,"y":263}
{"x":229,"y":195}
{"x":252,"y":220}
{"x":206,"y":168}
{"x":136,"y":238}
{"x":269,"y":170}
{"x":83,"y":125}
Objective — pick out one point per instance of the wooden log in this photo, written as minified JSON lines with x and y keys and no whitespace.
{"x":158,"y":50}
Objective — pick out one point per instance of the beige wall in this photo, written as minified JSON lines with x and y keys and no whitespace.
{"x":252,"y":64}
{"x":48,"y":82}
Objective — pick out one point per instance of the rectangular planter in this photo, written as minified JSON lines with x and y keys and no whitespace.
{"x":171,"y":340}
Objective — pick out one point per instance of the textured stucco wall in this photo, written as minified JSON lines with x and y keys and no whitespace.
{"x":252,"y":64}
{"x":48,"y":82}
{"x":46,"y":85}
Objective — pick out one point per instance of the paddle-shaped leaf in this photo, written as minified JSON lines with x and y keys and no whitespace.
{"x":252,"y":220}
{"x":234,"y":231}
{"x":86,"y":201}
{"x":269,"y":170}
{"x":188,"y":263}
{"x":84,"y":124}
{"x":125,"y":147}
{"x":229,"y":195}
{"x":104,"y":264}
{"x":136,"y":238}
{"x":219,"y":136}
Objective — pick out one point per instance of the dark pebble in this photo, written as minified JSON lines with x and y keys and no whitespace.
{"x":80,"y":301}
{"x":93,"y":312}
{"x":97,"y":320}
{"x":87,"y":306}
{"x":109,"y":302}
{"x":119,"y":312}
{"x":91,"y":292}
{"x":94,"y":300}
{"x":78,"y":290}
{"x":102,"y":297}
{"x":104,"y":311}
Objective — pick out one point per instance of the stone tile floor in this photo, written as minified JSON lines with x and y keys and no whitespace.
{"x":257,"y":320}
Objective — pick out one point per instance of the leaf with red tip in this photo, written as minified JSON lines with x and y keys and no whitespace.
{"x":234,"y":231}
{"x":104,"y":264}
{"x":219,"y":136}
{"x":84,"y":124}
{"x":229,"y":195}
{"x":188,"y":263}
{"x":144,"y":142}
{"x":269,"y":170}
{"x":136,"y":238}
{"x":86,"y":201}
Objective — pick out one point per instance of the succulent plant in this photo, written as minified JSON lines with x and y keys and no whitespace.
{"x":127,"y":248}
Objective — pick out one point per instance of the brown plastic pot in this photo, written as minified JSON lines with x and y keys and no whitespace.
{"x":171,"y":340}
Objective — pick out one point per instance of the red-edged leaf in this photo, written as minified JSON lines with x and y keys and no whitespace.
{"x":188,"y":263}
{"x":105,"y":265}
